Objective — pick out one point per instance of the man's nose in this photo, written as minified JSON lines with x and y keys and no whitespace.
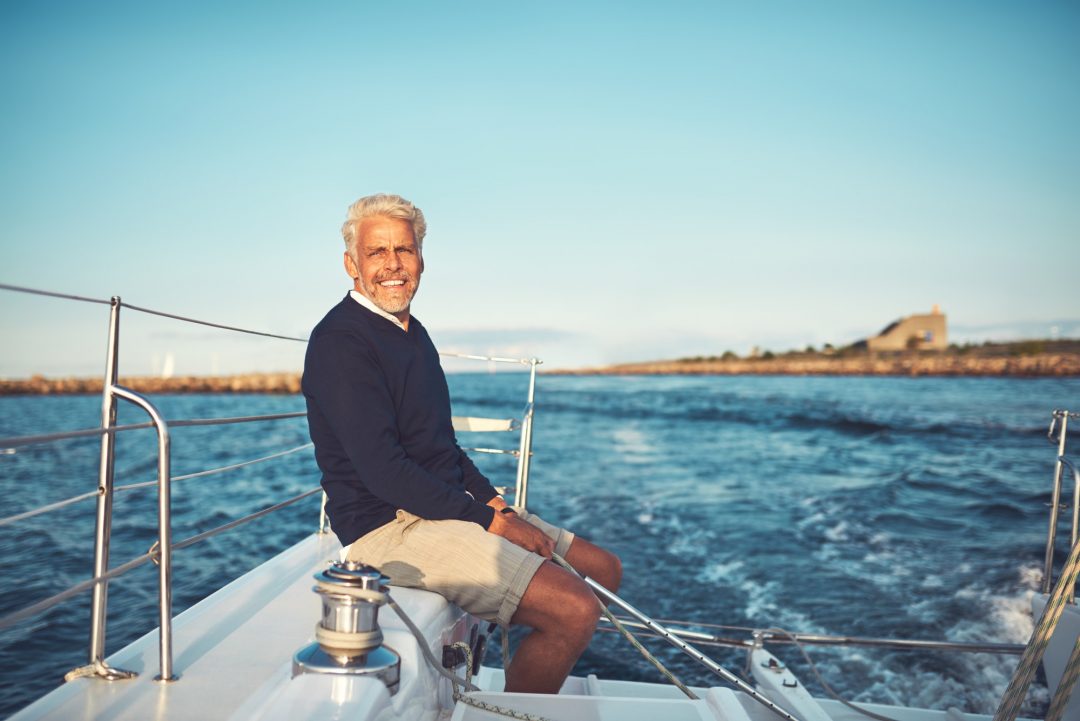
{"x":394,"y":261}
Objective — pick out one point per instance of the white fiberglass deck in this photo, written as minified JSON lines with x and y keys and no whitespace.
{"x":233,"y":653}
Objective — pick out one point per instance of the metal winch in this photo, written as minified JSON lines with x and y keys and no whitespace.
{"x":348,"y":640}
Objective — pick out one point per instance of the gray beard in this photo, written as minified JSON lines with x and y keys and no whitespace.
{"x":385,"y":305}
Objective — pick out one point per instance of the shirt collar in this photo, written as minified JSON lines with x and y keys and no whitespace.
{"x":366,"y":302}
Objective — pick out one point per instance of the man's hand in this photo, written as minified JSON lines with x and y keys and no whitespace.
{"x":522,"y":533}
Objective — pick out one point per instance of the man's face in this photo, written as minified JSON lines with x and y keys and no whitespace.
{"x":388,"y":264}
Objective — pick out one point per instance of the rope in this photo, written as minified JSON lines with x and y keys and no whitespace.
{"x":630,"y":637}
{"x":422,"y":642}
{"x":1065,"y":686}
{"x":348,"y":640}
{"x":363,"y":594}
{"x":484,"y":705}
{"x":1010,"y":704}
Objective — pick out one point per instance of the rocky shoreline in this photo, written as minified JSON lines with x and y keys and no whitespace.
{"x":1027,"y":366}
{"x":1041,"y":365}
{"x":283,"y":383}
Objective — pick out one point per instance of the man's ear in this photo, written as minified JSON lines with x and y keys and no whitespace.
{"x":350,"y":267}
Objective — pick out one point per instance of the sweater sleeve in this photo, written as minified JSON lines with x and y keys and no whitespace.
{"x":348,"y":386}
{"x":476,"y":482}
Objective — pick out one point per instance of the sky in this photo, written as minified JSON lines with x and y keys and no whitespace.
{"x":603,"y":182}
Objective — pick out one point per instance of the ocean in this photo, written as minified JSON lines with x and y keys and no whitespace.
{"x":886,"y":507}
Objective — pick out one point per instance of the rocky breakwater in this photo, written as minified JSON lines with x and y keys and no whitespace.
{"x":246,"y":383}
{"x":1038,"y":365}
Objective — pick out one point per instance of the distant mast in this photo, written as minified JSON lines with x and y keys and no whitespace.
{"x":169,"y":366}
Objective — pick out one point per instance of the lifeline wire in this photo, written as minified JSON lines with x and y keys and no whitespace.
{"x":66,"y":296}
{"x":145,"y":484}
{"x":51,"y":294}
{"x":208,"y":323}
{"x":16,"y":616}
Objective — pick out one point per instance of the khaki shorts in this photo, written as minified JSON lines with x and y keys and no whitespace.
{"x":481,"y":572}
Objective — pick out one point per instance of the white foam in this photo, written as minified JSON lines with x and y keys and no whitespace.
{"x":722,"y":571}
{"x":839,"y":532}
{"x":632,"y":441}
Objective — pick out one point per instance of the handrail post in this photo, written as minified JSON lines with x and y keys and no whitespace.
{"x":1055,"y":501}
{"x":103,"y":531}
{"x":521,"y":490}
{"x":323,"y":525}
{"x":164,"y":544}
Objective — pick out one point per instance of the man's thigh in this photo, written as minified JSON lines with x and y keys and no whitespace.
{"x":479,"y":571}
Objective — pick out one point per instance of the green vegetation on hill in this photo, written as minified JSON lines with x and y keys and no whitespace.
{"x":988,"y":349}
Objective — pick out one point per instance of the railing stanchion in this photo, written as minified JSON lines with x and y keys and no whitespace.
{"x":322,"y":515}
{"x":103,"y":532}
{"x":521,"y":491}
{"x":1055,"y":501}
{"x":164,"y":532}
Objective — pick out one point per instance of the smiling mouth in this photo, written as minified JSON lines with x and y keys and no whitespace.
{"x":392,"y":283}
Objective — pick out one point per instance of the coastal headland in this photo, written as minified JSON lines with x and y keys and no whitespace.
{"x":1024,"y":360}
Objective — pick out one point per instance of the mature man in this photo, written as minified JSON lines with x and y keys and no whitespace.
{"x":401,"y":494}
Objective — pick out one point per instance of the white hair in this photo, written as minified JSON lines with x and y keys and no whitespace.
{"x":381,"y":204}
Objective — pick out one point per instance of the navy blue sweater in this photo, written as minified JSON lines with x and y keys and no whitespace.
{"x":379,"y":415}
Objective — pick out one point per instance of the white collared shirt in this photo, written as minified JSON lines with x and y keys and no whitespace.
{"x":366,"y":302}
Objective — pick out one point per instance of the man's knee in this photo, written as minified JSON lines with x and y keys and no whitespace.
{"x":599,"y":564}
{"x":558,"y":601}
{"x":614,"y":571}
{"x":580,"y":608}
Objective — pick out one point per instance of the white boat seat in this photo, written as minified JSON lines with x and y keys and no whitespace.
{"x":482,"y":425}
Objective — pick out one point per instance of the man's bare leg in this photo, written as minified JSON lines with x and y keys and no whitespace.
{"x":562,"y":611}
{"x":590,"y":560}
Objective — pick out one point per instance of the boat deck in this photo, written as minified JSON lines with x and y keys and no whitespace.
{"x":233,"y":656}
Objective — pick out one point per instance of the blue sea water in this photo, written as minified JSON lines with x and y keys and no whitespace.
{"x":895,"y":507}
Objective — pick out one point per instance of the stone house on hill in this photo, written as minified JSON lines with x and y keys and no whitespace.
{"x":915,"y":332}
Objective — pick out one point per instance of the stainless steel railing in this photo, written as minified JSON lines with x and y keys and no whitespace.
{"x":161,"y":551}
{"x":523,"y":453}
{"x":1059,"y":422}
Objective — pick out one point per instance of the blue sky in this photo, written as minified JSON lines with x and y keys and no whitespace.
{"x":603,"y":182}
